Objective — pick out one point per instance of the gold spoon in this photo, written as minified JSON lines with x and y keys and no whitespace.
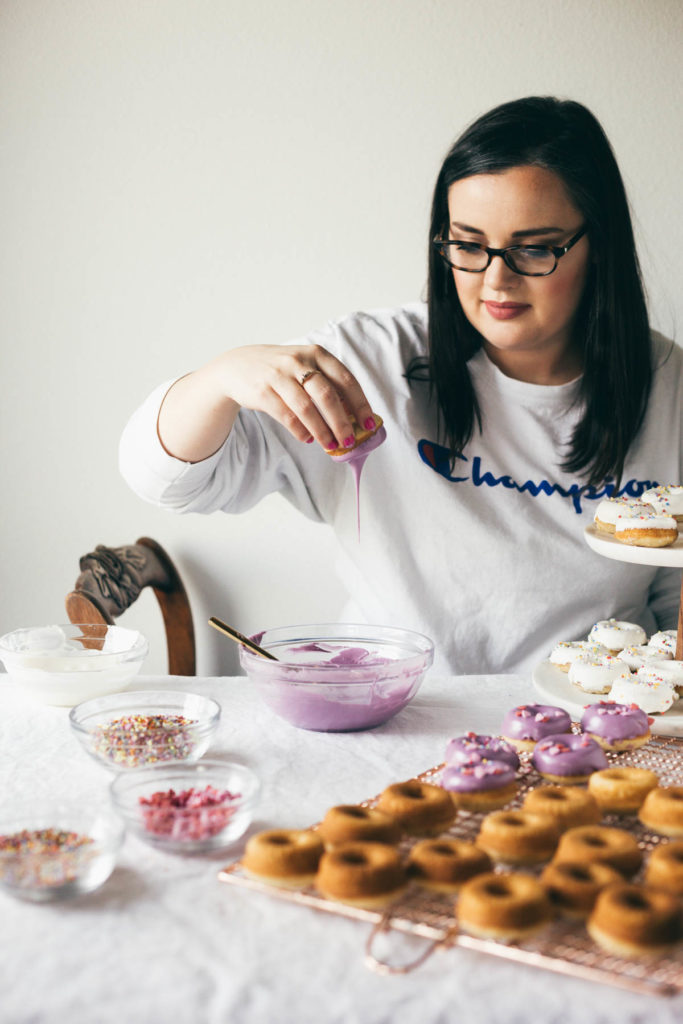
{"x":240,"y":638}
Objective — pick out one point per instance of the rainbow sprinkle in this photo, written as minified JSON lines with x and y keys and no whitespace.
{"x":136,"y":740}
{"x":43,"y":858}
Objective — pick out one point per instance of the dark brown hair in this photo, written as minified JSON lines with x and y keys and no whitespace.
{"x":611,"y":323}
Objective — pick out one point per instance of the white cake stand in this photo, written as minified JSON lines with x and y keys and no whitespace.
{"x":551,"y":682}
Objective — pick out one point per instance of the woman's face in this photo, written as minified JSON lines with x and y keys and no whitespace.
{"x":526,"y":322}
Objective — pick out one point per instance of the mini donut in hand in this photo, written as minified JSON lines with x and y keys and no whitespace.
{"x":367,"y":437}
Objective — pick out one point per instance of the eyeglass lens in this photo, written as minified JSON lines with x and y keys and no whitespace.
{"x":538,"y":260}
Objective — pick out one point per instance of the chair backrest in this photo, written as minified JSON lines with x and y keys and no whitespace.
{"x":111,"y":580}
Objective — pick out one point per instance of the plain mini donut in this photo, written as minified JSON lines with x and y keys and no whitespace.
{"x":518,"y":837}
{"x":568,"y":806}
{"x":621,"y":790}
{"x":419,"y":807}
{"x":283,"y":857}
{"x":573,"y":887}
{"x":664,"y":869}
{"x":361,"y":874}
{"x":604,"y":845}
{"x":505,"y":907}
{"x":662,"y":811}
{"x":352,"y":822}
{"x":635,"y":921}
{"x":446,"y":864}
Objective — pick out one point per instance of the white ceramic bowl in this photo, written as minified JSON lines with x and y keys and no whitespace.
{"x":338,"y":677}
{"x":188,"y":808}
{"x":65,"y":665}
{"x":145,"y":728}
{"x":54,"y":851}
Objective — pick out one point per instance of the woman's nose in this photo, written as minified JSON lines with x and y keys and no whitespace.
{"x":499,"y":276}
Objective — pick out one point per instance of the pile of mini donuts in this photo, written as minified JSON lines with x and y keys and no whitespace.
{"x":356,"y":855}
{"x":619,"y":660}
{"x":650,"y":521}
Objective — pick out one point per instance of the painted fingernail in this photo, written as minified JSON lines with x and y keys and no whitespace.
{"x":348,"y":441}
{"x":309,"y":440}
{"x":370,"y":423}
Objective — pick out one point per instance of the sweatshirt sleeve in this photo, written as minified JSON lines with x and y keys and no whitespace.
{"x":255,"y":460}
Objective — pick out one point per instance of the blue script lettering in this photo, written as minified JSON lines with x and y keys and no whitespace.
{"x":437,"y":457}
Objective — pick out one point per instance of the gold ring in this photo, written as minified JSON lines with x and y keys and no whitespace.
{"x":306,"y":376}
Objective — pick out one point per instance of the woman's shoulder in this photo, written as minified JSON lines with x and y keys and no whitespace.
{"x":667,"y":355}
{"x":407,"y":322}
{"x":379,"y":337}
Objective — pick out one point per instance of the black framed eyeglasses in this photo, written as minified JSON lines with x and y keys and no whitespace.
{"x":528,"y":260}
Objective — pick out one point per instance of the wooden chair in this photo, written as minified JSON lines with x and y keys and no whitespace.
{"x":111,"y":580}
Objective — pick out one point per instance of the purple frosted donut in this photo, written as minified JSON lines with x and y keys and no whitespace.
{"x":526,"y":724}
{"x":616,"y":726}
{"x":488,"y":748}
{"x":475,"y":776}
{"x":568,"y":757}
{"x":480,"y":785}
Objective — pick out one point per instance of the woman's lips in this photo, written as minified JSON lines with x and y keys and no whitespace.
{"x":506,"y":310}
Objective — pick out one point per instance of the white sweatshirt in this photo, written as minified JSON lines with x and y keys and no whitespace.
{"x":490,"y":560}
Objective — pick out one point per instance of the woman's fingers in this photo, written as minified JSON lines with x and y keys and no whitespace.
{"x":305,"y":388}
{"x":338,"y":396}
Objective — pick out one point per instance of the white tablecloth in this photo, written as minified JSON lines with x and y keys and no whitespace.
{"x":163,"y":940}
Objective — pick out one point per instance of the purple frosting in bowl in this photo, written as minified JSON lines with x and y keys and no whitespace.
{"x":490,"y":748}
{"x":568,"y":754}
{"x":534,"y":721}
{"x":476,"y":775}
{"x":338,"y":677}
{"x":614,"y":722}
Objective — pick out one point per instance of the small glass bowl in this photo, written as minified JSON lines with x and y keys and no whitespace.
{"x":129,"y":731}
{"x":338,"y":677}
{"x":55,"y":851}
{"x":188,"y":808}
{"x":64,"y":665}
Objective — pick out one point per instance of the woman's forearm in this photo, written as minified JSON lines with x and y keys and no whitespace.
{"x":196,"y":416}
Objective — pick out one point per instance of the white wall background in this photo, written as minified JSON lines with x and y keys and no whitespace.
{"x":181,"y":176}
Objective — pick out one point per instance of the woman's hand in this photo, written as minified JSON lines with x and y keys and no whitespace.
{"x":304,"y":387}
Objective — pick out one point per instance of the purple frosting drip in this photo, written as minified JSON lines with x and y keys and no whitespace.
{"x":534,"y":721}
{"x":612,"y":721}
{"x":462,"y":748}
{"x":474,"y":776}
{"x":568,"y":754}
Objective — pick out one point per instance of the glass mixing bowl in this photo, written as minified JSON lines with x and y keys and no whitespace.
{"x":65,"y":665}
{"x":338,"y":677}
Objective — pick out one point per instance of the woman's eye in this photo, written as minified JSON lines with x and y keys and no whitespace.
{"x":539,"y":252}
{"x":466,"y":247}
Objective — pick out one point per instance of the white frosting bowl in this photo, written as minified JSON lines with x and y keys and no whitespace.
{"x":64,"y":665}
{"x":338,"y":677}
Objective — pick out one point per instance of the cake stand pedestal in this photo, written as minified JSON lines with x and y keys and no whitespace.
{"x":671,"y":557}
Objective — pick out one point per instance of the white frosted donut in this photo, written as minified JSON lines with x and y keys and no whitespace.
{"x":654,"y":697}
{"x":616,"y":634}
{"x":640,"y":654}
{"x":667,"y":499}
{"x":655,"y":530}
{"x":664,"y":671}
{"x":566,"y":652}
{"x":664,"y":641}
{"x":597,"y":675}
{"x":609,"y":508}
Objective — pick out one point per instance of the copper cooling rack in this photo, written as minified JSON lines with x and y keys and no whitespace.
{"x":563,"y":947}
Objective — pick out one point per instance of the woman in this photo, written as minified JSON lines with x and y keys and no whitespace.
{"x":529,"y":387}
